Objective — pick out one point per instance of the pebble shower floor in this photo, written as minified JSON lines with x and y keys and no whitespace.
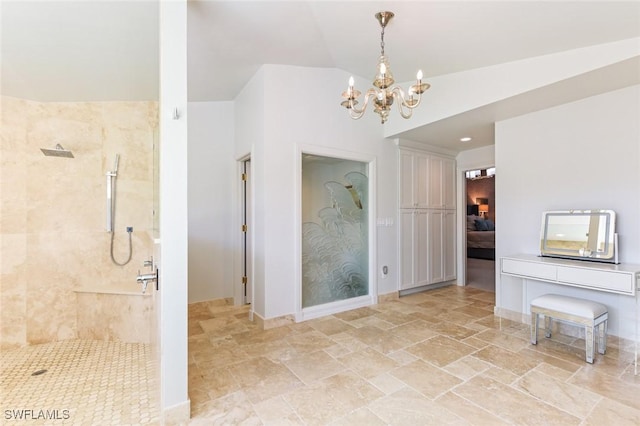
{"x":86,"y":382}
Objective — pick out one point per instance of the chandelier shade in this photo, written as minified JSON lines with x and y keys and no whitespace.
{"x":384,"y":93}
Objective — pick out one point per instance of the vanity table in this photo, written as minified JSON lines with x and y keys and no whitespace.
{"x":606,"y":277}
{"x":614,"y":278}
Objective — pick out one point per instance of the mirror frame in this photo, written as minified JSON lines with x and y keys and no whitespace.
{"x":608,"y":254}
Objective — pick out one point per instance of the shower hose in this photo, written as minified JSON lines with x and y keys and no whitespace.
{"x":113,"y":232}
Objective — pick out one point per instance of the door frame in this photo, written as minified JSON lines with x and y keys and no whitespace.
{"x":238,"y":286}
{"x":462,"y":218}
{"x":301,"y":313}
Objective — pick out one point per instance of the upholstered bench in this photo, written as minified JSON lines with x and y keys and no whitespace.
{"x":589,"y":314}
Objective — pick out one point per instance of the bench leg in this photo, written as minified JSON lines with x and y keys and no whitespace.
{"x":602,"y":337}
{"x":534,"y":328}
{"x":547,"y":326}
{"x":589,"y":340}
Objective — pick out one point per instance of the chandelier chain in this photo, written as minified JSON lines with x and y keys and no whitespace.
{"x":382,"y":42}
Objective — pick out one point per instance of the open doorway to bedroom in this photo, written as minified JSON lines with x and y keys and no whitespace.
{"x":480,"y":230}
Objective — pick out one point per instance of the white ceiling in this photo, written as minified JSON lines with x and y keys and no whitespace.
{"x":80,"y":50}
{"x":89,"y":50}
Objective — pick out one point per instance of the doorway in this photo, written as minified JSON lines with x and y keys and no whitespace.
{"x":246,"y":222}
{"x":480,"y":228}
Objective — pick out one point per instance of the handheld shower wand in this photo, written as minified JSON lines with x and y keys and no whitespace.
{"x":111,"y":211}
{"x":110,"y":194}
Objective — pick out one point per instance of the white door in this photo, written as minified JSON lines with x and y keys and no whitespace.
{"x":421,"y":247}
{"x":436,"y":245}
{"x":406,"y":248}
{"x":247,"y":249}
{"x":449,"y":249}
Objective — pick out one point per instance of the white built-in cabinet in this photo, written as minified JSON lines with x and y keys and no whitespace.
{"x":427,"y":219}
{"x":414,"y":179}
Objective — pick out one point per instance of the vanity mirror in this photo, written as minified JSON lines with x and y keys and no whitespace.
{"x":579,"y":234}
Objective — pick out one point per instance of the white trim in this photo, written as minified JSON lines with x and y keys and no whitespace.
{"x":238,"y":296}
{"x":462,"y":218}
{"x":356,"y":302}
{"x":336,"y":307}
{"x":423,"y":147}
{"x":177,"y":414}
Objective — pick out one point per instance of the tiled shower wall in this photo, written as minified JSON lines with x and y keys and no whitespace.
{"x":53,"y":210}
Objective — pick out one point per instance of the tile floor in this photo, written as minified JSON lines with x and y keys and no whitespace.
{"x":438,"y":357}
{"x":481,"y":274}
{"x":87,"y":382}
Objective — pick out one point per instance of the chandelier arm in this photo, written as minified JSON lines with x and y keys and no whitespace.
{"x":365,"y":103}
{"x":405,"y":115}
{"x":400,"y":96}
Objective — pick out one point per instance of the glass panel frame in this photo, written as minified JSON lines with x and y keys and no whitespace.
{"x":335,"y":230}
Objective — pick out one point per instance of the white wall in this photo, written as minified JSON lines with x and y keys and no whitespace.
{"x":211,"y":168}
{"x":581,"y":155}
{"x":275,"y":115}
{"x":173,"y":212}
{"x":249,"y":141}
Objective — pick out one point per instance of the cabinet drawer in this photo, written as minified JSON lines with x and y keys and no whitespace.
{"x":529,"y":269}
{"x":601,"y":280}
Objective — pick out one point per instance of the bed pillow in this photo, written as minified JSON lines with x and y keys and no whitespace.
{"x":484,"y":225}
{"x":471,"y":225}
{"x":481,"y":225}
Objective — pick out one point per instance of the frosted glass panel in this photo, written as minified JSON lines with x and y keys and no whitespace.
{"x":334,"y":230}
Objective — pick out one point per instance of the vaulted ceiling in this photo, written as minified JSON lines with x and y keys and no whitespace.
{"x":109,"y":50}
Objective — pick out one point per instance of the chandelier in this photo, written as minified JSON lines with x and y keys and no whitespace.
{"x":384,"y":93}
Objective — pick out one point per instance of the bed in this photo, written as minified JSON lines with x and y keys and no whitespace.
{"x":481,"y":237}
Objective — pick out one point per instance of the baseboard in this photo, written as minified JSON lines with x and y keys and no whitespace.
{"x":178,"y":414}
{"x":266,"y":324}
{"x":425,"y":287}
{"x":511,"y":315}
{"x":388,"y":297}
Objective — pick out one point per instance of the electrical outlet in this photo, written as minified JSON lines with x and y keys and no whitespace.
{"x":129,"y":228}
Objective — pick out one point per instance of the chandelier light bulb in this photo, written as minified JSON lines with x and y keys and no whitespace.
{"x":383,"y":69}
{"x":351,"y":81}
{"x":419,"y":75}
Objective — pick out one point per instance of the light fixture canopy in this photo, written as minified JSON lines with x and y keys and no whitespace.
{"x":384,"y":93}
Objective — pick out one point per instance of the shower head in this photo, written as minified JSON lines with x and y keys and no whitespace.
{"x":59,"y":151}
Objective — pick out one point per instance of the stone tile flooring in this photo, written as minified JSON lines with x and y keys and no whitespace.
{"x":87,"y":382}
{"x":438,"y":357}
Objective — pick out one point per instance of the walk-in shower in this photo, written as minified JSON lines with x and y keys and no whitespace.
{"x":59,"y":151}
{"x":111,"y":212}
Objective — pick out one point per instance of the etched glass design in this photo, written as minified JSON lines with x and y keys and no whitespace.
{"x":335,"y":244}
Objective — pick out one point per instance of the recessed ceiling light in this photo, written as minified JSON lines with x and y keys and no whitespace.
{"x":465,"y":139}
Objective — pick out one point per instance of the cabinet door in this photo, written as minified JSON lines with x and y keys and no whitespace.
{"x":442,"y":183}
{"x":406,"y":248}
{"x":449,"y":183}
{"x":407,"y":179}
{"x":436,"y":244}
{"x":414,"y":248}
{"x":449,"y":238}
{"x":421,"y":248}
{"x":421,"y":182}
{"x":414,"y":180}
{"x":435,"y":183}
